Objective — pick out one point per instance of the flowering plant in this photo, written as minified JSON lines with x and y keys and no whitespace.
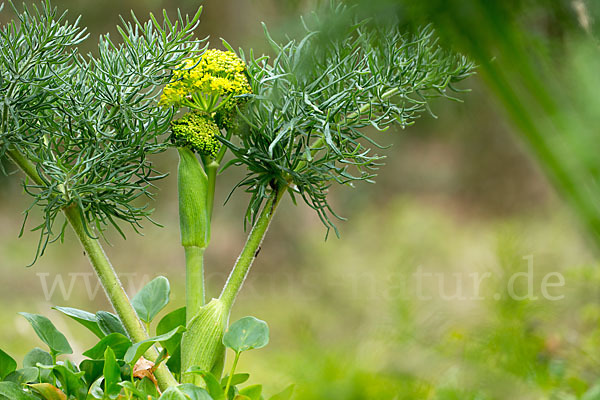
{"x":83,"y":130}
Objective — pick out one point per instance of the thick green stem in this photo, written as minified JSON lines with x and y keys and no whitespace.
{"x":251,"y":249}
{"x":194,"y":280}
{"x":27,"y":167}
{"x":106,"y":274}
{"x":115,"y":292}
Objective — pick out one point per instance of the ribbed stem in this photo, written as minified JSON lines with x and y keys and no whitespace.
{"x":250,"y":251}
{"x":194,"y":280}
{"x":106,"y":274}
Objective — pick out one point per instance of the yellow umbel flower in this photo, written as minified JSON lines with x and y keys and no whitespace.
{"x":197,"y":131}
{"x":204,"y":83}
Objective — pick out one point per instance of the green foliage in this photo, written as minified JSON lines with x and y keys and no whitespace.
{"x":48,"y":391}
{"x":87,"y":123}
{"x":311,"y":103}
{"x":173,"y":345}
{"x":246,"y":334}
{"x":83,"y":128}
{"x":185,"y":392}
{"x":108,"y":372}
{"x":12,"y":391}
{"x":136,"y":350}
{"x":7,"y":364}
{"x":109,"y":323}
{"x":56,"y":341}
{"x":112,"y":374}
{"x":85,"y":318}
{"x":118,"y":342}
{"x":153,"y":297}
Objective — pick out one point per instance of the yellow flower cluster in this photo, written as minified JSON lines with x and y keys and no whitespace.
{"x":215,"y":74}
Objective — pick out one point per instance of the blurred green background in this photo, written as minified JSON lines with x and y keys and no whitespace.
{"x":472,"y":192}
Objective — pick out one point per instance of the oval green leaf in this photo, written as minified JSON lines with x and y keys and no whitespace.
{"x":253,"y":392}
{"x":152,"y":298}
{"x":56,"y":341}
{"x":12,"y":391}
{"x":194,"y":392}
{"x":48,"y":391}
{"x":92,"y":370}
{"x":135,"y":352}
{"x":85,"y":318}
{"x":116,"y":341}
{"x":36,"y":356}
{"x":41,"y":357}
{"x":236,"y":379}
{"x":112,"y":374}
{"x":7,"y":364}
{"x":23,"y":375}
{"x":213,"y":386}
{"x":173,"y":393}
{"x":169,"y":322}
{"x":110,"y":323}
{"x":246,"y":334}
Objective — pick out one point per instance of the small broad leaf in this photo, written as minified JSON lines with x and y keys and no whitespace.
{"x":56,"y":341}
{"x":36,"y":356}
{"x":96,"y":391}
{"x":116,"y":341}
{"x":130,"y":387}
{"x":85,"y":318}
{"x":194,"y":392}
{"x":12,"y":391}
{"x":173,"y":393}
{"x":71,"y":381}
{"x":173,"y":345}
{"x":169,"y":322}
{"x":7,"y":364}
{"x":246,"y":334}
{"x":92,"y":370}
{"x":112,"y":374}
{"x":148,"y":387}
{"x":152,"y":298}
{"x":110,"y":323}
{"x":48,"y":391}
{"x":213,"y":386}
{"x":241,"y":397}
{"x":174,"y":362}
{"x":136,"y":351}
{"x":41,"y":357}
{"x":253,"y":392}
{"x":23,"y":376}
{"x":187,"y":391}
{"x":237,"y":379}
{"x":285,"y":395}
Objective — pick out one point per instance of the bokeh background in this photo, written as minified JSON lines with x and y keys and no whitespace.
{"x":465,"y":193}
